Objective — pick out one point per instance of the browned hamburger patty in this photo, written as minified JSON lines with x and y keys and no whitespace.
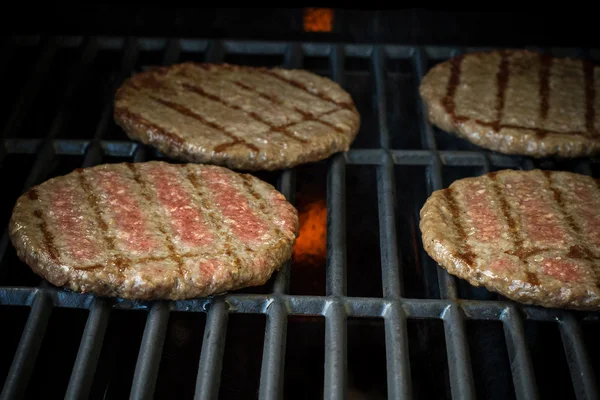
{"x":517,"y":102}
{"x":532,"y":236}
{"x":240,"y":117}
{"x":154,"y":230}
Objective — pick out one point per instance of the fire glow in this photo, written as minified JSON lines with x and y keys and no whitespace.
{"x":311,"y":244}
{"x":318,"y":20}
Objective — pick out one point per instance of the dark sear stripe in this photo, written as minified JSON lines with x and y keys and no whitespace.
{"x":247,"y":181}
{"x":48,"y":237}
{"x":466,"y":254}
{"x":545,"y":65}
{"x":173,"y":256}
{"x":172,"y":138}
{"x":302,"y":86}
{"x":281,"y":129}
{"x":92,"y":198}
{"x":32,"y":194}
{"x":189,"y":113}
{"x":217,"y":222}
{"x":502,"y":83}
{"x":514,"y":233}
{"x":582,"y":247}
{"x":307,"y":116}
{"x":453,"y":82}
{"x":590,"y":97}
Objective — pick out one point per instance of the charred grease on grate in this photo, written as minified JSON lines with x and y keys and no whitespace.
{"x":466,"y":255}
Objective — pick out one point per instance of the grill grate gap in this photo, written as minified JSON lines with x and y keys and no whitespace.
{"x":366,"y":363}
{"x":12,"y":320}
{"x":181,"y":354}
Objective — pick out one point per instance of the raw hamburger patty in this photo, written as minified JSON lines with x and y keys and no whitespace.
{"x":517,"y":102}
{"x":532,"y":236}
{"x":240,"y":117}
{"x":154,"y":230}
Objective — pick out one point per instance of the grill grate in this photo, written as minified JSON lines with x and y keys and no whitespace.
{"x":335,"y":306}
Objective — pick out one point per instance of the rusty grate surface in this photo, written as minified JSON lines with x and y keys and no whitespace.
{"x":391,"y":141}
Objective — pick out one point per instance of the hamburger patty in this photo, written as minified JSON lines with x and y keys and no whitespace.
{"x":235,"y":116}
{"x":517,"y":102}
{"x":154,"y":230}
{"x":532,"y":236}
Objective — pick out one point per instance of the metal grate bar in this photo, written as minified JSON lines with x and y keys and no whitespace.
{"x":148,"y":361}
{"x":29,"y":346}
{"x":459,"y":362}
{"x":336,"y":227}
{"x":582,"y":374}
{"x":397,"y":356}
{"x":273,"y":361}
{"x":287,"y":186}
{"x":335,"y":352}
{"x":518,"y":353}
{"x":378,"y":66}
{"x":390,"y":267}
{"x":293,"y":57}
{"x":215,"y":52}
{"x":89,"y":351}
{"x":211,"y":358}
{"x":29,"y":92}
{"x":337,"y":58}
{"x":419,"y":61}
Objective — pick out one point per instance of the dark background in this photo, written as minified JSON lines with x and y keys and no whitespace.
{"x":536,"y":27}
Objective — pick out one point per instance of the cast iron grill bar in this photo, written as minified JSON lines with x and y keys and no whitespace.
{"x":419,"y":61}
{"x":29,"y":92}
{"x":390,"y":267}
{"x":337,"y":57}
{"x":397,"y":356}
{"x":378,"y":67}
{"x":518,"y":353}
{"x":459,"y":361}
{"x":273,"y":361}
{"x":582,"y":374}
{"x":287,"y":187}
{"x":84,"y":368}
{"x":215,"y":52}
{"x":28,"y":348}
{"x":211,"y":357}
{"x":148,"y":361}
{"x":293,"y":57}
{"x":336,"y":227}
{"x":130,"y":55}
{"x":335,"y":351}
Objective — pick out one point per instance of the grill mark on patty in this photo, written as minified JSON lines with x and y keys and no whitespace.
{"x":502,"y":82}
{"x":545,"y":65}
{"x":125,"y":115}
{"x":453,"y":82}
{"x":302,"y":86}
{"x":590,"y":96}
{"x":466,"y":254}
{"x":145,"y":191}
{"x":539,"y":132}
{"x":92,"y":199}
{"x":210,"y":206}
{"x":581,"y":250}
{"x":48,"y":236}
{"x":281,"y":129}
{"x":307,"y":116}
{"x":262,"y":203}
{"x":521,"y":253}
{"x":191,"y":114}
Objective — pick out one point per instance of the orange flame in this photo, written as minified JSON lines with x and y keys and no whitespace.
{"x":311,"y":244}
{"x":318,"y":20}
